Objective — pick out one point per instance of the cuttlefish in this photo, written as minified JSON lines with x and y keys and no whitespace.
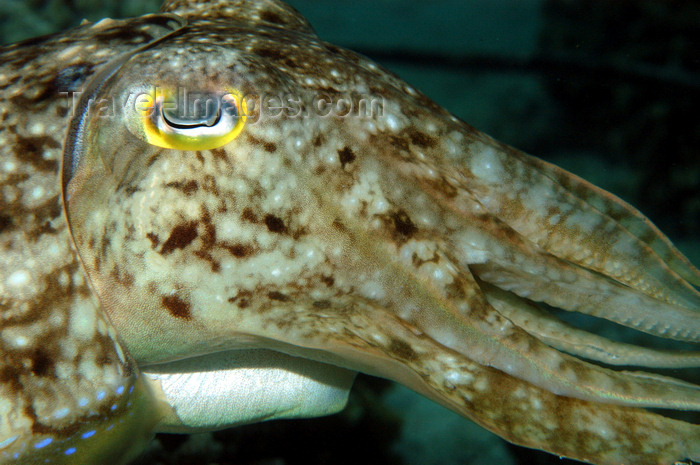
{"x":211,"y":217}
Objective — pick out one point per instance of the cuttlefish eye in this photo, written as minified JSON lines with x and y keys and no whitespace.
{"x":189,"y":120}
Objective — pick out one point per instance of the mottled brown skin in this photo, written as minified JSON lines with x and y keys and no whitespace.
{"x":63,"y":371}
{"x":401,"y":243}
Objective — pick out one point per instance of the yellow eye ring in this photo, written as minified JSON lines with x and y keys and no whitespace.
{"x":191,"y":120}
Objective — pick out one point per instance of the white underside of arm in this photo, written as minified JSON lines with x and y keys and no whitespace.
{"x":246,"y":386}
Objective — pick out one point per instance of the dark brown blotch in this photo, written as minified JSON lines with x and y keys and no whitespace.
{"x":278,"y":296}
{"x":275,"y":224}
{"x":266,"y":145}
{"x":5,"y":223}
{"x":41,"y":362}
{"x":322,"y":304}
{"x":32,"y":149}
{"x":177,"y":307}
{"x":403,"y":224}
{"x":181,"y":236}
{"x":421,"y":139}
{"x":209,"y":234}
{"x":401,"y":349}
{"x":249,"y":216}
{"x":346,"y":155}
{"x":272,"y":17}
{"x":219,"y":154}
{"x":242,"y":299}
{"x":153,"y":237}
{"x":268,"y":52}
{"x":187,"y":187}
{"x":339,"y":225}
{"x":398,"y":142}
{"x":124,"y":278}
{"x":40,"y":230}
{"x":240,"y":250}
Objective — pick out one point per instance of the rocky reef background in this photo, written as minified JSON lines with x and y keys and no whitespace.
{"x":609,"y":90}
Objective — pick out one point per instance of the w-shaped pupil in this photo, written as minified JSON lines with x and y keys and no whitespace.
{"x":193,"y":112}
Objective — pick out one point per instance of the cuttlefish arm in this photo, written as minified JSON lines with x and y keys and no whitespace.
{"x":387,"y":242}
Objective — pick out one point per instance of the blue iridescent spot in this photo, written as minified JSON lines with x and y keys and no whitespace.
{"x":70,"y":451}
{"x":120,"y":390}
{"x":101,"y":395}
{"x":43,"y":443}
{"x":131,"y":389}
{"x":89,"y":434}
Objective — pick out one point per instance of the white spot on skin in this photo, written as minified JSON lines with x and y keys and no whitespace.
{"x":36,"y":128}
{"x":82,"y":321}
{"x":459,"y":377}
{"x":485,"y":164}
{"x":19,"y":278}
{"x":481,"y":384}
{"x":473,"y":249}
{"x":372,"y":290}
{"x":392,"y":122}
{"x":9,"y":166}
{"x":21,"y":342}
{"x":87,"y":368}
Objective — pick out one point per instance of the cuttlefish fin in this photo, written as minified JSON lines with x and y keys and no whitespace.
{"x":71,"y":394}
{"x":371,"y":340}
{"x":272,"y":13}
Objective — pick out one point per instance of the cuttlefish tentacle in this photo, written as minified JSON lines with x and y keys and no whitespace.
{"x":562,"y":336}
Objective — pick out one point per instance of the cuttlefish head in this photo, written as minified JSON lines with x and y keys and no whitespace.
{"x":244,"y":196}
